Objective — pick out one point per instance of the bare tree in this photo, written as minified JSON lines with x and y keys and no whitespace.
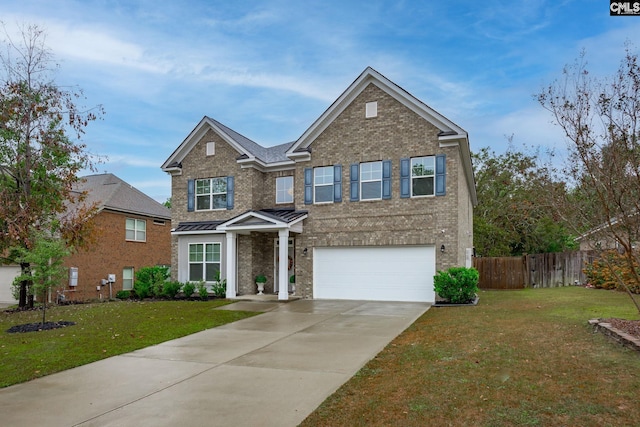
{"x":601,"y":120}
{"x":40,"y":151}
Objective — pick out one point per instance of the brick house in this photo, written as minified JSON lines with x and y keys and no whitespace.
{"x":133,"y":232}
{"x":373,"y":198}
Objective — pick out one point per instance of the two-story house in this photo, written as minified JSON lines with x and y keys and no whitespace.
{"x":132,"y":231}
{"x":373,"y":198}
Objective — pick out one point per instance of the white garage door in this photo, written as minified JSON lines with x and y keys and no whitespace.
{"x":7,"y":274}
{"x":382,"y":273}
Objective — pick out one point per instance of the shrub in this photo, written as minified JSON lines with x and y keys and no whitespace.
{"x":188,"y":289}
{"x":150,"y":281}
{"x":171,"y":289}
{"x":142,"y":290}
{"x":123,"y":294}
{"x":602,"y":272}
{"x":457,"y":285}
{"x":219,"y":288}
{"x":201,"y":287}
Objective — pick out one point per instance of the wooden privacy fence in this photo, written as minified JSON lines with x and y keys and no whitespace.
{"x":536,"y":271}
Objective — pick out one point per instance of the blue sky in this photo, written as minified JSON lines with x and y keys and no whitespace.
{"x":268,"y":69}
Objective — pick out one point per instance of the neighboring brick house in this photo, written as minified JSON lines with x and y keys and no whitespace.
{"x":368,"y":203}
{"x":133,"y":231}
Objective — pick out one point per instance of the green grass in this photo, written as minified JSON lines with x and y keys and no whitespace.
{"x":102,"y":330}
{"x":520,"y":358}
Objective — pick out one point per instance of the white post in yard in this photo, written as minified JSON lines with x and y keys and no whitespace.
{"x":283,"y":264}
{"x":231,"y":264}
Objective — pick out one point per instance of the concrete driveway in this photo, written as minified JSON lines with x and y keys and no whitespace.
{"x":273,"y":369}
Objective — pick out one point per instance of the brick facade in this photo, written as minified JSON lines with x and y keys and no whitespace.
{"x":397,"y":132}
{"x":112,"y":252}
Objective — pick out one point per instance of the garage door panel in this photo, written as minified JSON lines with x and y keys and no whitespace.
{"x":375,"y":273}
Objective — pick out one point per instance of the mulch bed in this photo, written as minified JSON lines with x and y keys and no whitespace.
{"x":632,"y":327}
{"x":34,"y":327}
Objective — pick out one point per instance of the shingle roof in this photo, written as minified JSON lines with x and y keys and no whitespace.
{"x":112,"y":193}
{"x":273,"y":154}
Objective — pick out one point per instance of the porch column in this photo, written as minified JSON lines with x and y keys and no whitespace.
{"x":231,"y":264}
{"x":283,"y":264}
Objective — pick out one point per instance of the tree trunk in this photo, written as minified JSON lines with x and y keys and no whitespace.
{"x":25,"y":268}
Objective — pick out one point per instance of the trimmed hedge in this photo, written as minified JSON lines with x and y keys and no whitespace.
{"x":458,"y":285}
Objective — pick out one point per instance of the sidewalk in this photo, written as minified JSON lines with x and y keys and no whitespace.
{"x":269,"y":370}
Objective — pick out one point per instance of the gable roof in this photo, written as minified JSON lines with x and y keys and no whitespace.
{"x":248,"y":150}
{"x":112,"y":193}
{"x":284,"y":155}
{"x":450,"y":133}
{"x":448,"y":129}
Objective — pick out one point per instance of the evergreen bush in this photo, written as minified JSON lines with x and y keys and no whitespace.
{"x":458,"y":285}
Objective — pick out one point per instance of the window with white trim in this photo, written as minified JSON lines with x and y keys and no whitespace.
{"x":371,"y":181}
{"x":423,"y":176}
{"x":136,"y":230}
{"x":211,"y":193}
{"x":284,"y":189}
{"x":323,"y":184}
{"x":127,"y":278}
{"x":204,"y":261}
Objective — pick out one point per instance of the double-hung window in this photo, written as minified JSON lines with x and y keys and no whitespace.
{"x":284,"y":189}
{"x":204,"y":261}
{"x":371,"y":181}
{"x":422,"y":176}
{"x":211,"y":193}
{"x":136,"y":230}
{"x":127,"y":278}
{"x":323,"y":184}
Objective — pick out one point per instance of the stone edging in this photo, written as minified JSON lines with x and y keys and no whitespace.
{"x":448,"y":304}
{"x":620,"y":336}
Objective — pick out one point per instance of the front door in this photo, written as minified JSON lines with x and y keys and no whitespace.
{"x":291,"y":268}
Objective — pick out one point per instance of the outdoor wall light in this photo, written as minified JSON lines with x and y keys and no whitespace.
{"x":442,"y":248}
{"x":304,"y":252}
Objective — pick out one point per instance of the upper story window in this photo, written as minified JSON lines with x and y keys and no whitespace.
{"x":284,"y":189}
{"x":136,"y":230}
{"x":371,"y":181}
{"x":422,"y":176}
{"x":323,"y":184}
{"x":211,"y":193}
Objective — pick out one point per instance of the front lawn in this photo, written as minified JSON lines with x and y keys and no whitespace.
{"x":101,"y":330}
{"x":518,"y":358}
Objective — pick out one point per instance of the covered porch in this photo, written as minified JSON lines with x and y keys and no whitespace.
{"x":284,"y":223}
